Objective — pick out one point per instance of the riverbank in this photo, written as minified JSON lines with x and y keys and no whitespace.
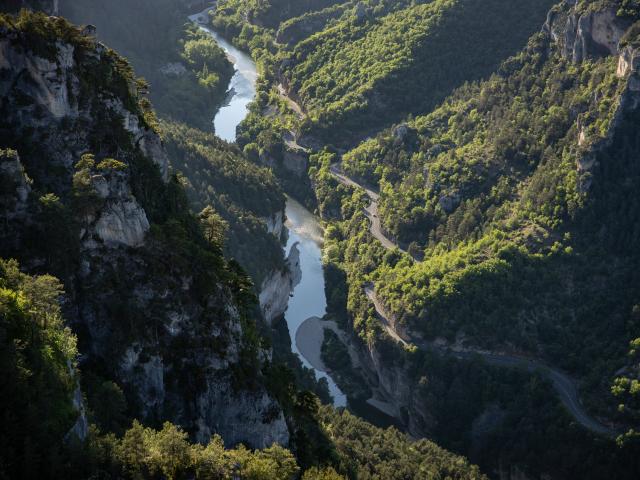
{"x":242,"y":87}
{"x":309,"y":338}
{"x":308,"y":301}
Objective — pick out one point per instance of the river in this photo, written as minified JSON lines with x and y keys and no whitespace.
{"x":308,"y":298}
{"x":242,"y":87}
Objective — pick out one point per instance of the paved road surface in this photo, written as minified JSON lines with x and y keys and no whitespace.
{"x":562,"y":383}
{"x":371,"y":211}
{"x":292,"y":104}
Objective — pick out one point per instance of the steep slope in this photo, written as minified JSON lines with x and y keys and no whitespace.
{"x":516,"y":200}
{"x":186,"y":69}
{"x":156,"y":307}
{"x":513,"y":186}
{"x":384,"y":60}
{"x":249,"y":200}
{"x":37,"y":360}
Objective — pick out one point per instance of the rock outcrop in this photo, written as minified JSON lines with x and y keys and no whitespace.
{"x":277,"y":287}
{"x":158,"y":318}
{"x":580,"y":35}
{"x":275,"y":224}
{"x":584,"y":35}
{"x":121,"y":220}
{"x":393,"y":385}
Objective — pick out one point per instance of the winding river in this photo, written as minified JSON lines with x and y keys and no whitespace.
{"x":308,"y":298}
{"x":242,"y":87}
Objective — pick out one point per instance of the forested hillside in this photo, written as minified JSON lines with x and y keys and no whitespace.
{"x":516,"y":199}
{"x":186,"y":69}
{"x":523,"y":182}
{"x":244,"y":195}
{"x":169,"y":359}
{"x":493,"y":211}
{"x":379,"y":60}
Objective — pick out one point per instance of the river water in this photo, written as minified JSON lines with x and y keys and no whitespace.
{"x":308,"y":298}
{"x":242,"y":87}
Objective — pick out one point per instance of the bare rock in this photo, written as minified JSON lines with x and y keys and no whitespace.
{"x":581,"y":36}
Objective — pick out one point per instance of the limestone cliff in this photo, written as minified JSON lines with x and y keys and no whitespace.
{"x":582,"y":35}
{"x":156,"y":309}
{"x":276,"y":288}
{"x":279,"y":283}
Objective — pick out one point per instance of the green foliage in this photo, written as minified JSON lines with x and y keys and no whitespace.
{"x":487,"y":186}
{"x":41,"y":32}
{"x":626,"y":389}
{"x":217,"y":175}
{"x":489,"y":190}
{"x":37,"y":358}
{"x":111,"y":164}
{"x":189,"y":94}
{"x":206,"y":58}
{"x":347,"y":76}
{"x":388,"y":454}
{"x":273,"y":12}
{"x":213,"y":226}
{"x":623,"y":8}
{"x":145,"y":453}
{"x":316,"y":473}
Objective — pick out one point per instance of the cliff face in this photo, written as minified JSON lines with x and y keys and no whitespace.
{"x":587,"y":35}
{"x":276,"y":288}
{"x":583,"y":35}
{"x":154,"y":306}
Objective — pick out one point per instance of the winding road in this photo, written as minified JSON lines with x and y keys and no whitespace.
{"x":293,"y":105}
{"x":371,"y":211}
{"x":563,"y":384}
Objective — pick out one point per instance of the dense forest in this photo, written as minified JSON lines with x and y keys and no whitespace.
{"x":473,"y":164}
{"x":131,"y":324}
{"x":187,"y":71}
{"x":511,"y":202}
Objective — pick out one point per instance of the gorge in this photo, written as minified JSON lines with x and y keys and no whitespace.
{"x":305,"y":297}
{"x":320,"y":239}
